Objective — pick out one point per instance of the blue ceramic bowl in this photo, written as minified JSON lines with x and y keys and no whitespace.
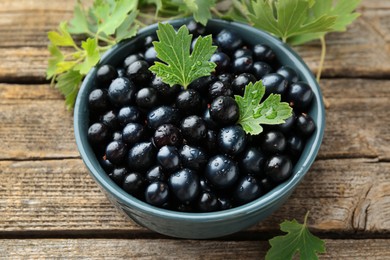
{"x":200,"y":225}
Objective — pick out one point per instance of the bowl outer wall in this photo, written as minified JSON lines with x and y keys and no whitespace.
{"x":201,"y":225}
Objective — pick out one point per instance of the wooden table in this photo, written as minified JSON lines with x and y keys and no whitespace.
{"x":50,"y":207}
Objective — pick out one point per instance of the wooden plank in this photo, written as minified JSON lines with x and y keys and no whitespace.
{"x":344,"y":196}
{"x":178,"y":249}
{"x":24,"y":55}
{"x":35,"y":123}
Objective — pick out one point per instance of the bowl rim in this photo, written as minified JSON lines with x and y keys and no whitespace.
{"x":265,"y":200}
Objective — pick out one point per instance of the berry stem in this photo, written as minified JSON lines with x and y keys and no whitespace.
{"x":322,"y":60}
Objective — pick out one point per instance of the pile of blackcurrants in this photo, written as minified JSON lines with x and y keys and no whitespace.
{"x":182,"y":149}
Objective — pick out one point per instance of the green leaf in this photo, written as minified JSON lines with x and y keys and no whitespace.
{"x":111,"y":14}
{"x":200,"y":9}
{"x":127,"y":29}
{"x":343,"y":10}
{"x":272,"y":111}
{"x":79,"y":23}
{"x":68,"y":84}
{"x":56,"y":57}
{"x":287,"y":18}
{"x":92,"y":56}
{"x":62,"y":37}
{"x":253,"y":114}
{"x":298,"y":239}
{"x":180,"y":66}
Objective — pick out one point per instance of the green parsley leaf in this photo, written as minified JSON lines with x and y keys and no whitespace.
{"x":62,"y":37}
{"x":298,"y":239}
{"x":127,"y":29}
{"x":343,"y":10}
{"x":182,"y":67}
{"x":92,"y":56}
{"x":55,"y":58}
{"x":79,"y":24}
{"x":253,"y":113}
{"x":68,"y":84}
{"x":272,"y":111}
{"x":287,"y":18}
{"x":112,"y":14}
{"x":200,"y":9}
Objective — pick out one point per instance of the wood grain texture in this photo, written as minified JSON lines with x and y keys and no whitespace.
{"x":35,"y":123}
{"x":177,"y":249}
{"x":344,"y":196}
{"x":24,"y":55}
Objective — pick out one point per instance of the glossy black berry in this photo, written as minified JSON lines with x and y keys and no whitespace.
{"x":260,"y":69}
{"x":241,"y":81}
{"x":121,"y":91}
{"x":162,"y":115}
{"x":300,"y":95}
{"x":189,"y":102}
{"x":278,"y":168}
{"x":228,"y":41}
{"x":129,"y":114}
{"x":139,"y":72}
{"x":266,"y":184}
{"x":157,"y":193}
{"x":224,"y":203}
{"x":202,"y":84}
{"x":262,"y":52}
{"x":184,"y":184}
{"x":242,"y":64}
{"x":168,"y":158}
{"x":274,"y":83}
{"x":148,"y":42}
{"x":221,"y":171}
{"x":207,"y":202}
{"x":232,"y":140}
{"x":287,"y":126}
{"x":252,"y":161}
{"x":288,"y":73}
{"x":247,"y":190}
{"x":141,"y":156}
{"x":132,"y":133}
{"x":224,"y":110}
{"x":222,"y":61}
{"x":166,"y":93}
{"x":131,"y":59}
{"x":305,"y":124}
{"x":105,"y":74}
{"x":167,"y":134}
{"x":98,"y":133}
{"x":193,"y":157}
{"x":116,"y":152}
{"x":146,"y":98}
{"x":195,"y":28}
{"x":133,"y":183}
{"x":273,"y":142}
{"x":295,"y":145}
{"x":154,"y":174}
{"x":151,"y":55}
{"x":243,"y":52}
{"x":194,"y":129}
{"x":117,"y":136}
{"x":118,"y":175}
{"x":211,"y":141}
{"x":110,"y":119}
{"x":225,"y":78}
{"x":219,"y":88}
{"x":98,"y":100}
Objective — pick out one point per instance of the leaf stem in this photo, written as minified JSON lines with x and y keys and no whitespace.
{"x":216,"y":12}
{"x":306,"y":216}
{"x":322,"y":60}
{"x":241,"y":8}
